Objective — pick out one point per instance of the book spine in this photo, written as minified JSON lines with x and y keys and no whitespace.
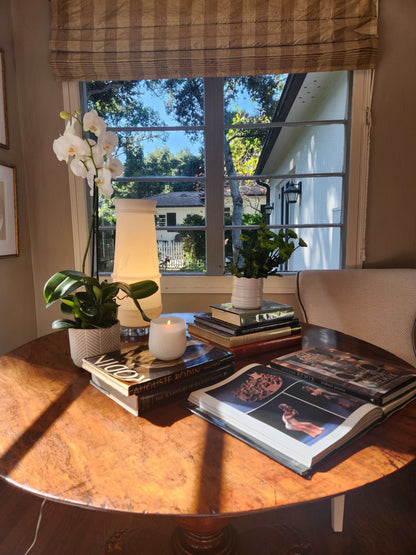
{"x":232,"y":330}
{"x":244,"y":351}
{"x":250,"y":319}
{"x":237,"y":340}
{"x":150,"y":400}
{"x":179,"y":375}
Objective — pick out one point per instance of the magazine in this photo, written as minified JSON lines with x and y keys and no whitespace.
{"x":293,"y":421}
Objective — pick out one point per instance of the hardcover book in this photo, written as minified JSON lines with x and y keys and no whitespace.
{"x":368,"y":379}
{"x":269,"y":310}
{"x":229,"y":341}
{"x":206,"y":320}
{"x":143,"y":402}
{"x":135,"y":370}
{"x":243,"y":351}
{"x":293,"y":421}
{"x":258,"y":347}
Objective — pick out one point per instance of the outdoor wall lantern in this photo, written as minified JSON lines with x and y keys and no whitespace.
{"x":268,"y":209}
{"x":293,"y":192}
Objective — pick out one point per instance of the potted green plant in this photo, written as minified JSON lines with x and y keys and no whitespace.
{"x":87,"y":147}
{"x":258,"y":256}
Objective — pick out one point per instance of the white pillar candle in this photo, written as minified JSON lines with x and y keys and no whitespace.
{"x":167,"y":337}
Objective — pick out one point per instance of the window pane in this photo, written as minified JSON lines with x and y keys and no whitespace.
{"x":181,"y":251}
{"x":244,"y":202}
{"x":106,"y":238}
{"x":322,"y":252}
{"x":147,"y":103}
{"x":318,"y":201}
{"x":322,"y":96}
{"x":161,"y":153}
{"x":311,"y":148}
{"x":251,"y":99}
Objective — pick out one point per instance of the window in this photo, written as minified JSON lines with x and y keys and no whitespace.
{"x":171,"y":219}
{"x":266,"y":152}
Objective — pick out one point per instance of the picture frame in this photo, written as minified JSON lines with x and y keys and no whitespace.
{"x":8,"y":212}
{"x":4,"y":132}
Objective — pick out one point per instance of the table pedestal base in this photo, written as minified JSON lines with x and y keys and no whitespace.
{"x":203,"y":535}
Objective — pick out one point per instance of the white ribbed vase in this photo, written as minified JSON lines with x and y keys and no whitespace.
{"x":88,"y":343}
{"x":247,"y":292}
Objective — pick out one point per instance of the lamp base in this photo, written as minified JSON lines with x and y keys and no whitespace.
{"x":132,"y":335}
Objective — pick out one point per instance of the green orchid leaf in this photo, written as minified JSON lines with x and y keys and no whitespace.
{"x":109,"y":292}
{"x":64,"y":324}
{"x":127,"y":289}
{"x":143,"y":289}
{"x":66,"y":308}
{"x":59,"y":286}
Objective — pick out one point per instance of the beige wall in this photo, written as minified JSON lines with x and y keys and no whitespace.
{"x":391,"y":214}
{"x":34,"y":101}
{"x":18,"y":320}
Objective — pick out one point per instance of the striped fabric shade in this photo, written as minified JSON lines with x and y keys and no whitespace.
{"x":151,"y":39}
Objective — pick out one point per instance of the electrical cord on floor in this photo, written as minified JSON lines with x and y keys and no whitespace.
{"x":37,"y":527}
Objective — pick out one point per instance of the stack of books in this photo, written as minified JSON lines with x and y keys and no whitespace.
{"x":248,"y":332}
{"x":138,"y":381}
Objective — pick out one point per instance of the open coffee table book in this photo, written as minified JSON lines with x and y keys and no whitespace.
{"x":305,"y":405}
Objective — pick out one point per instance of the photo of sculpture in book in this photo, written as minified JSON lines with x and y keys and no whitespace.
{"x":304,"y":412}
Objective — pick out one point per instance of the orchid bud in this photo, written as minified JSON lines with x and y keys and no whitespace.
{"x":64,"y":114}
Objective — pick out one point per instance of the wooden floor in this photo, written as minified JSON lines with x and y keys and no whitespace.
{"x":380,"y":518}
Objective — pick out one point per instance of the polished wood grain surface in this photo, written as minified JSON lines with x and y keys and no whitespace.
{"x":62,"y":439}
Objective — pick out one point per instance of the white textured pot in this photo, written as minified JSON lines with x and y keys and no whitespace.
{"x":88,"y":343}
{"x":247,"y":293}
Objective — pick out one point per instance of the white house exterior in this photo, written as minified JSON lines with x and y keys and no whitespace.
{"x":312,"y":149}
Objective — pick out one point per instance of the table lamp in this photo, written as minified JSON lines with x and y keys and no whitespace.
{"x":136,"y":259}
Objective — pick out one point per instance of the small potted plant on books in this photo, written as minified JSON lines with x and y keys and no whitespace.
{"x":87,"y":146}
{"x":259,"y":255}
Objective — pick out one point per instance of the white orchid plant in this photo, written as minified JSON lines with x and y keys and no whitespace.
{"x":89,"y":158}
{"x":88,"y":148}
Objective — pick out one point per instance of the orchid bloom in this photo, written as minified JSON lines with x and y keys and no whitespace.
{"x":69,"y":144}
{"x":108,"y":141}
{"x":103,"y":182}
{"x":92,"y":122}
{"x":89,"y":159}
{"x":114,"y":165}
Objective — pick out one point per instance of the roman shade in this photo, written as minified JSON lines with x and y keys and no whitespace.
{"x":150,"y":39}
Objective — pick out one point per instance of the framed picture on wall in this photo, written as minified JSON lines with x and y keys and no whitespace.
{"x":4,"y":135}
{"x":8,"y":211}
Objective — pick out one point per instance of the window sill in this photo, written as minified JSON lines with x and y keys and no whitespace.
{"x":221,"y":284}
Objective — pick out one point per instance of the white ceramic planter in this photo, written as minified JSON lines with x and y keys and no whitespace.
{"x":247,"y":293}
{"x":88,"y":343}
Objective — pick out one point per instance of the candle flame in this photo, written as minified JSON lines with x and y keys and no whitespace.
{"x":168,"y":322}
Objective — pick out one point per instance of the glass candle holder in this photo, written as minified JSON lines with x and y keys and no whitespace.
{"x":167,"y":337}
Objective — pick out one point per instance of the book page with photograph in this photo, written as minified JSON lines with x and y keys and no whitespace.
{"x":291,"y":420}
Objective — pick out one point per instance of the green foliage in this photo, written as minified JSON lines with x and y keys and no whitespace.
{"x":96,"y":305}
{"x":194,"y":241}
{"x":262,"y":251}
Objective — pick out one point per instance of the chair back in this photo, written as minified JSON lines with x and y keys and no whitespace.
{"x":375,"y":305}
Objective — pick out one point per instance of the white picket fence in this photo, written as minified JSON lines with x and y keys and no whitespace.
{"x":171,"y":255}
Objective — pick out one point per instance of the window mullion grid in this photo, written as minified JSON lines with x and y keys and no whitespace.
{"x":214,"y":169}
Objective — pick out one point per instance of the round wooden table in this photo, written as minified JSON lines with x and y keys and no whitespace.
{"x":63,"y":440}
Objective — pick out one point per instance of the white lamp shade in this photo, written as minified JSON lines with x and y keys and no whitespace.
{"x":136,"y":258}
